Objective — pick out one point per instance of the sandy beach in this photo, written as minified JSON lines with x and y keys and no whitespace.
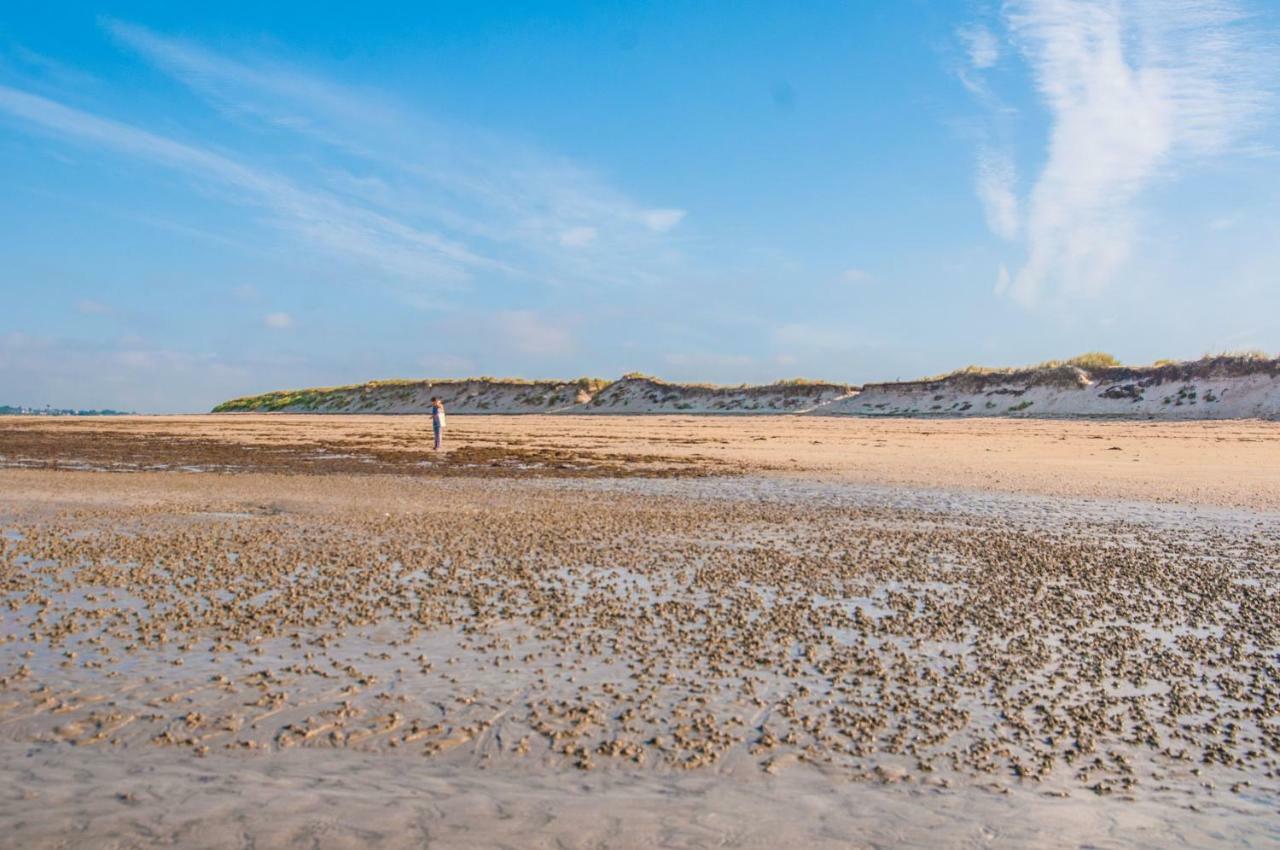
{"x":1191,"y":463}
{"x":292,"y":631}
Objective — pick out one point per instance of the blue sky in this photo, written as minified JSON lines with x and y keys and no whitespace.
{"x":203,"y":204}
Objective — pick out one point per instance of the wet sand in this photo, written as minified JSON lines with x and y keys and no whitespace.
{"x":641,"y":632}
{"x":1211,"y":462}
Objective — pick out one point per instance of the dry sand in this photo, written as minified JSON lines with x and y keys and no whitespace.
{"x":675,"y":632}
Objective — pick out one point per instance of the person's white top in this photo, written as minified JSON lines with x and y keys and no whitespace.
{"x":437,"y":415}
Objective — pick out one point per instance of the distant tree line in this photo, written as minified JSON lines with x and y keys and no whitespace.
{"x":11,"y":410}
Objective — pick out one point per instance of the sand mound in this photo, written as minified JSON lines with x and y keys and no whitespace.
{"x":1211,"y":388}
{"x":468,"y":395}
{"x":1223,"y":387}
{"x":643,"y":394}
{"x":630,"y":394}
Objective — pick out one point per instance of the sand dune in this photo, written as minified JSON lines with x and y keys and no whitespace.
{"x":1215,"y":388}
{"x":1225,"y":387}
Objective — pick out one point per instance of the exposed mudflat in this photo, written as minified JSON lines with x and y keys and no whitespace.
{"x":1209,"y":462}
{"x":746,"y":645}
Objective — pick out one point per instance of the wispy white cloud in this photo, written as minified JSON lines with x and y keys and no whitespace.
{"x":1003,"y":279}
{"x":319,"y":218}
{"x":855,"y":275}
{"x":661,"y":221}
{"x":996,"y":177}
{"x":393,"y":193}
{"x":530,"y":332}
{"x":1134,"y":90}
{"x":982,"y":45}
{"x":997,"y":192}
{"x":278,"y":321}
{"x":982,"y":49}
{"x":501,"y":199}
{"x":37,"y":67}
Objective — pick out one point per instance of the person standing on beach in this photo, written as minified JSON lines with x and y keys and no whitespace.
{"x":437,"y":419}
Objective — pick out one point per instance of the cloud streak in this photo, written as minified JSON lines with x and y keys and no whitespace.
{"x":395,"y":195}
{"x":997,"y":191}
{"x":500,"y":198}
{"x":982,"y":46}
{"x":317,"y":217}
{"x":1135,"y":91}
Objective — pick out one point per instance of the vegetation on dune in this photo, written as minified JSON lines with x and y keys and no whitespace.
{"x":1238,"y":354}
{"x":805,"y":382}
{"x":805,"y":386}
{"x":535,"y":393}
{"x":591,"y":385}
{"x":399,"y":389}
{"x":1099,"y":365}
{"x":275,"y":401}
{"x":1088,"y":361}
{"x":1072,"y":372}
{"x":1091,"y":360}
{"x":780,"y":384}
{"x":653,"y":379}
{"x":1226,"y":364}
